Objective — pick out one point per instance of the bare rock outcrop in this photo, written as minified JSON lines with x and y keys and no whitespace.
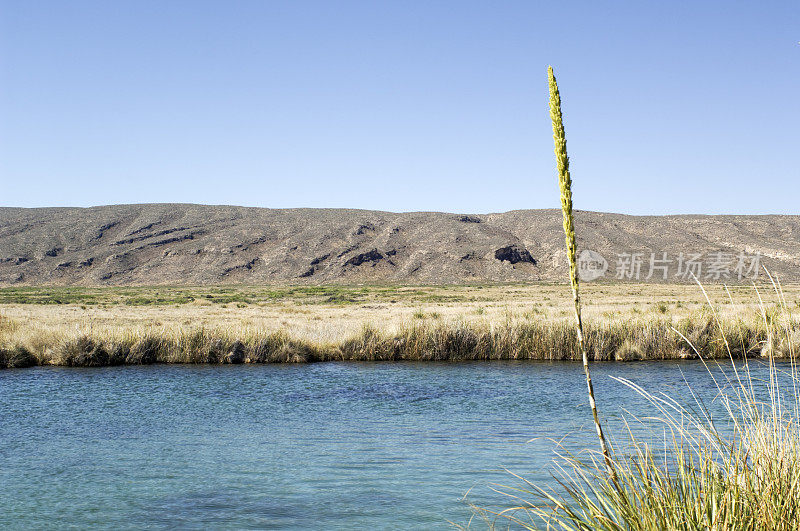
{"x":514,"y":254}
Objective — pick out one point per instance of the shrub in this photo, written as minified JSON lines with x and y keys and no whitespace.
{"x":17,"y":357}
{"x":84,"y":352}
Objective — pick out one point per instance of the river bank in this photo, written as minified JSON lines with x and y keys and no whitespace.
{"x":132,"y":326}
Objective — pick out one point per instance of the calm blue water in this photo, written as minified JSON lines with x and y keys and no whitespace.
{"x":333,"y":445}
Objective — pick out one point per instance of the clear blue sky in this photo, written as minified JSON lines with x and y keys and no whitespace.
{"x":670,"y":107}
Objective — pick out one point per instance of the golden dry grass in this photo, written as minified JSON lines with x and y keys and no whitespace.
{"x":624,"y":321}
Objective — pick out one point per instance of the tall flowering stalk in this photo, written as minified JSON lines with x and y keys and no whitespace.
{"x":565,"y":184}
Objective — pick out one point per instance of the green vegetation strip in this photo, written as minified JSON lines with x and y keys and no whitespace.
{"x":172,"y":295}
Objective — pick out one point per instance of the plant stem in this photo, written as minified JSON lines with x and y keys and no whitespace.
{"x":565,"y":184}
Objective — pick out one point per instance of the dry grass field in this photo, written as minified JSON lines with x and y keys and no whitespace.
{"x":324,"y":314}
{"x":56,"y":324}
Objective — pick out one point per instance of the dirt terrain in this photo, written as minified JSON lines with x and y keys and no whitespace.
{"x":182,"y":244}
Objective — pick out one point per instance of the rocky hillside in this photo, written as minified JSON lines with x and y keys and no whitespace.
{"x":198,"y":244}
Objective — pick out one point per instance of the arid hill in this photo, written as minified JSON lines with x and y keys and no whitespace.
{"x":199,"y":244}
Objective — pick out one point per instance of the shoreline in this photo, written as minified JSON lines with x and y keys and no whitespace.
{"x":545,"y":341}
{"x":219,"y":325}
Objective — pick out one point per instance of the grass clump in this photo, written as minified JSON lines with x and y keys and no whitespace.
{"x":279,"y":347}
{"x":16,"y":358}
{"x":737,"y":471}
{"x":84,"y":352}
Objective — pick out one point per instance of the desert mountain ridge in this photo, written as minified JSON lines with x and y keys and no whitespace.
{"x":149,"y":244}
